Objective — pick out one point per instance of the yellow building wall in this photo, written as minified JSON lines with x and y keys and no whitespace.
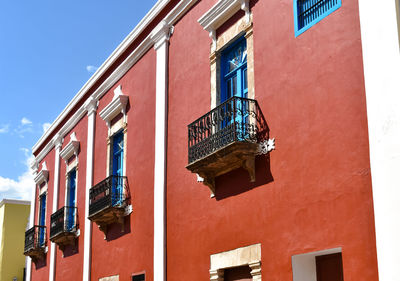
{"x":13,"y":222}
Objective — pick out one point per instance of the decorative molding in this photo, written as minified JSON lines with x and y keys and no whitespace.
{"x":266,"y":146}
{"x":199,"y":178}
{"x":255,"y":270}
{"x":249,"y":255}
{"x":116,"y":106}
{"x":43,"y":175}
{"x":70,"y":149}
{"x":237,"y":257}
{"x":57,"y":141}
{"x":35,"y":166}
{"x":220,"y":13}
{"x":217,"y":275}
{"x":179,"y":10}
{"x":160,"y":34}
{"x":91,"y":105}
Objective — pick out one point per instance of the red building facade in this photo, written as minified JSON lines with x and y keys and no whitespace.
{"x":222,"y":140}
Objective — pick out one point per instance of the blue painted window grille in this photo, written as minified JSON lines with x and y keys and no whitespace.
{"x":234,"y":84}
{"x":117,"y":168}
{"x":42,"y":219}
{"x":71,"y":200}
{"x":234,"y":70}
{"x":309,"y":12}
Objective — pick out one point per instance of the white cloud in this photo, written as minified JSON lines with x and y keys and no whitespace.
{"x":46,"y":126}
{"x":91,"y":68}
{"x":26,"y":121}
{"x":4,"y":129}
{"x":22,"y":187}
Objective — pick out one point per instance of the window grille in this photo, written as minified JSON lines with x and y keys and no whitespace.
{"x":309,"y":12}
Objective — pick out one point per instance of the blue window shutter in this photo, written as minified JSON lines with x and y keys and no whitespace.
{"x":117,"y":168}
{"x":309,"y":12}
{"x":233,"y":66}
{"x":71,"y":188}
{"x":71,"y":200}
{"x":42,"y":219}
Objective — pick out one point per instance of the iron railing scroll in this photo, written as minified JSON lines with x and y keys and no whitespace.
{"x":35,"y":238}
{"x":236,"y":120}
{"x":111,"y":192}
{"x":63,"y":221}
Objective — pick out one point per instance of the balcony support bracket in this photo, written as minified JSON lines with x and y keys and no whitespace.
{"x":249,"y":164}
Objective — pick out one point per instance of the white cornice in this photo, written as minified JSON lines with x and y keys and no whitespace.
{"x":43,"y":175}
{"x":70,"y":149}
{"x":115,"y":107}
{"x":179,"y":10}
{"x":148,"y":18}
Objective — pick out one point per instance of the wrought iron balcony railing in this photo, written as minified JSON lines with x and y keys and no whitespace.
{"x":111,"y":192}
{"x":63,"y":221}
{"x":35,"y":239}
{"x":236,"y":120}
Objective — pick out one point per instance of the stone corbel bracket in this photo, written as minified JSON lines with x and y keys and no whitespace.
{"x":115,"y":107}
{"x":220,"y":13}
{"x":72,"y":148}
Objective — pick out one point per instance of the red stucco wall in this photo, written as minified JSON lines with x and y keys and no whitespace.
{"x":72,"y":257}
{"x":40,"y":270}
{"x":312,"y":193}
{"x":315,"y":191}
{"x":132,"y":251}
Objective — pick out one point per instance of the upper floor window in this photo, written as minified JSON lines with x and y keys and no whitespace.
{"x":117,"y":159}
{"x":234,"y":70}
{"x":42,"y":218}
{"x":71,"y":200}
{"x":309,"y":12}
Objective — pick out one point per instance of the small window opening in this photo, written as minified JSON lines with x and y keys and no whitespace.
{"x":139,"y":277}
{"x":309,"y":12}
{"x":239,"y":273}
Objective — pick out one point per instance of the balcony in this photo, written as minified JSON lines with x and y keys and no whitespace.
{"x":225,"y":139}
{"x":63,"y":227}
{"x":35,"y":243}
{"x":108,"y":202}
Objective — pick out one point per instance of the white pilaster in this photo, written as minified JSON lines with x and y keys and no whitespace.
{"x":57,"y":141}
{"x":160,"y":38}
{"x":91,"y":107}
{"x":35,"y":168}
{"x":381,"y":61}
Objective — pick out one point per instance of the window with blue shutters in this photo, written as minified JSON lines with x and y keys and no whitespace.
{"x":71,"y":200}
{"x":234,"y":84}
{"x":117,"y":167}
{"x":309,"y":12}
{"x":234,"y":70}
{"x":42,"y":219}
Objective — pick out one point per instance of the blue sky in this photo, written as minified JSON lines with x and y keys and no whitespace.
{"x":48,"y":50}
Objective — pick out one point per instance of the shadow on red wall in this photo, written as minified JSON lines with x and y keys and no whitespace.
{"x":238,"y":181}
{"x":116,"y":230}
{"x":41,"y":263}
{"x":71,"y":250}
